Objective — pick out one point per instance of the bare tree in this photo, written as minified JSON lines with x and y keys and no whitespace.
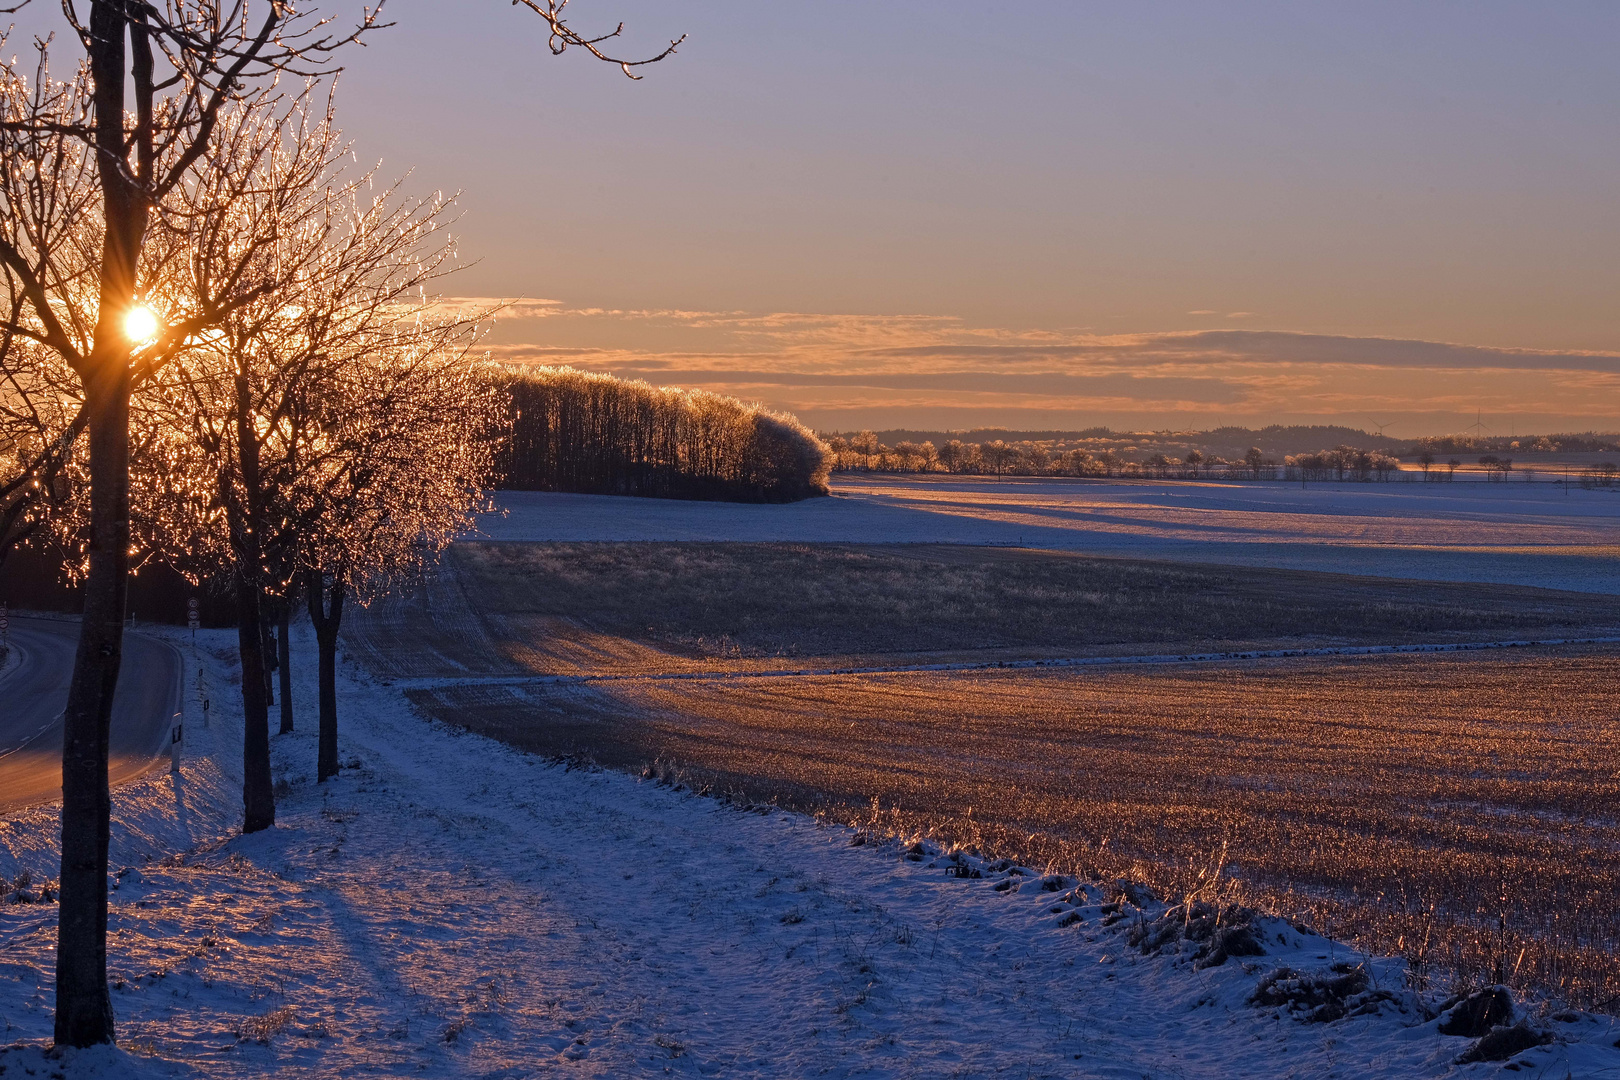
{"x":406,"y":448}
{"x":838,"y":446}
{"x":49,"y":216}
{"x":997,"y":455}
{"x":865,"y":443}
{"x":1253,"y":460}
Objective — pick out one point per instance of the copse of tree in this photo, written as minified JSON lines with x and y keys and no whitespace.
{"x":576,"y":431}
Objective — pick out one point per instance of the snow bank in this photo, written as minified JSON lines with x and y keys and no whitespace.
{"x":449,"y":907}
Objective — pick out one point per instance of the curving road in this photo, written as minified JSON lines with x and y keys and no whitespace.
{"x":33,"y":693}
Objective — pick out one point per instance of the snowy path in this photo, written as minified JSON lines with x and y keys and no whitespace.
{"x":451,"y":908}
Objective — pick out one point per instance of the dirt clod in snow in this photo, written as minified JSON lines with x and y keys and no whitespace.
{"x":1320,"y":997}
{"x":1479,"y":1012}
{"x":1504,"y":1042}
{"x":1134,"y":893}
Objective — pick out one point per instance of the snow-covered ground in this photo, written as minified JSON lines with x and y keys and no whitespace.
{"x":449,"y":907}
{"x":1508,"y":533}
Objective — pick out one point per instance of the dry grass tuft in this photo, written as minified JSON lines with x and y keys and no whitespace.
{"x":261,"y":1029}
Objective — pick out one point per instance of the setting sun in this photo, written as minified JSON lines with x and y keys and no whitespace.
{"x":140,"y":324}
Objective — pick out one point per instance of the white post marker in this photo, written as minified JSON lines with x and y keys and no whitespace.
{"x":176,"y":741}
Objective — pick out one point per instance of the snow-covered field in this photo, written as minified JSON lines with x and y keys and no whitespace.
{"x":1508,"y":533}
{"x":452,"y":908}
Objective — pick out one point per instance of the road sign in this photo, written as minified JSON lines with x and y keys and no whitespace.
{"x":192,"y":621}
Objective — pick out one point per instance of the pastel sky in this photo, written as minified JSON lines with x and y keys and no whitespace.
{"x":1040,"y":213}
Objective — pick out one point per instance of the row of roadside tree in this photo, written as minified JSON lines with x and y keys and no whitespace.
{"x":217,"y":351}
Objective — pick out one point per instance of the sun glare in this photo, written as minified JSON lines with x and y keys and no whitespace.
{"x":140,"y":325}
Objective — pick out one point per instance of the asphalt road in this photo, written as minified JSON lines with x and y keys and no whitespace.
{"x":33,"y":693}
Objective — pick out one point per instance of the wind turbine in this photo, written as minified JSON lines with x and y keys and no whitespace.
{"x":1478,"y":426}
{"x":1379,"y":426}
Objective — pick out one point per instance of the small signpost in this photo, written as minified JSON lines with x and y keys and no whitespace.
{"x":192,"y":621}
{"x":176,"y":741}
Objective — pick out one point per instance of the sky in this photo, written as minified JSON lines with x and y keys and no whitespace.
{"x":1038,"y":213}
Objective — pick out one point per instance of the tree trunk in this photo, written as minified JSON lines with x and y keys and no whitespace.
{"x":271,"y":660}
{"x":258,"y":799}
{"x":84,"y":1014}
{"x":284,"y":663}
{"x":326,"y":618}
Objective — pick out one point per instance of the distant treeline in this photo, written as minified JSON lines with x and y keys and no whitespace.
{"x":581,"y":432}
{"x":866,"y":453}
{"x":1585,"y":443}
{"x":1276,"y":442}
{"x":1343,"y":464}
{"x":1232,"y":443}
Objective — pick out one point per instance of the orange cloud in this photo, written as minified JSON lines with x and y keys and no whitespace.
{"x":884,"y":370}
